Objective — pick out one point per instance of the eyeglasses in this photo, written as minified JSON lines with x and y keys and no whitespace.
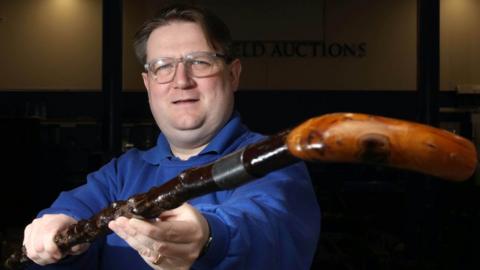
{"x":197,"y":64}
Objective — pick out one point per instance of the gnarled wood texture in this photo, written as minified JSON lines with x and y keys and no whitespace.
{"x":362,"y":138}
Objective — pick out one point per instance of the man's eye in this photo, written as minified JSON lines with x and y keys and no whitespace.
{"x":200,"y":62}
{"x":163,"y":67}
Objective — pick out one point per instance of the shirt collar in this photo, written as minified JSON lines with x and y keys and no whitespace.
{"x":232,"y":130}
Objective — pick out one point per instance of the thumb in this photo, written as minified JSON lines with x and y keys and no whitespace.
{"x":79,"y":249}
{"x":175,"y":213}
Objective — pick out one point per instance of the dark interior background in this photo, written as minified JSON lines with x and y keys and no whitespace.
{"x":372,"y":217}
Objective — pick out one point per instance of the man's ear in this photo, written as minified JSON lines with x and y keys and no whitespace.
{"x":145,"y":80}
{"x":235,"y":70}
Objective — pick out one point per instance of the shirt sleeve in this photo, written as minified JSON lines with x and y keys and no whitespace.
{"x":270,"y":223}
{"x":88,"y":199}
{"x":81,"y":203}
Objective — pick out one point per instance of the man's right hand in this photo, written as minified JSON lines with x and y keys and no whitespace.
{"x":38,"y":239}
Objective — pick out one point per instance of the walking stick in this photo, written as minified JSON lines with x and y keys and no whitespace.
{"x":337,"y":137}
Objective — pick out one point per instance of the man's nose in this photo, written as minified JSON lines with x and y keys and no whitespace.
{"x":182,"y":79}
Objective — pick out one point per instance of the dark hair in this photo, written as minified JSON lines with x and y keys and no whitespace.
{"x":215,"y":30}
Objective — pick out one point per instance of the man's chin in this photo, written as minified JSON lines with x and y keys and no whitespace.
{"x":187,"y":121}
{"x":189,"y":125}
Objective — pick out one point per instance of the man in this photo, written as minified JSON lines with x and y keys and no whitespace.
{"x":190,"y":76}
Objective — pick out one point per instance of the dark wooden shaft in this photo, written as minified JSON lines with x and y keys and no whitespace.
{"x":228,"y":172}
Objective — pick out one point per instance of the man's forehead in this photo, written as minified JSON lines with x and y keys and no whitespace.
{"x":178,"y":30}
{"x":177,"y":38}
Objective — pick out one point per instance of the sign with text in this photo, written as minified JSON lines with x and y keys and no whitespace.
{"x":300,"y":49}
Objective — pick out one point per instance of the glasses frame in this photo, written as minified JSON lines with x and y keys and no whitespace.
{"x":183,"y":59}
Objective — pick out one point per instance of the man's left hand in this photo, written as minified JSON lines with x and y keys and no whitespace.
{"x":172,"y":241}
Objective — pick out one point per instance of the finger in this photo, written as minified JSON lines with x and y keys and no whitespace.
{"x":178,"y":250}
{"x":42,"y":234}
{"x":118,"y":228}
{"x":29,"y":241}
{"x":138,"y":240}
{"x":26,"y":239}
{"x":145,"y":246}
{"x":51,"y":248}
{"x":171,"y":231}
{"x":36,"y":239}
{"x":42,"y":257}
{"x":150,"y":247}
{"x":145,"y":228}
{"x":142,"y":244}
{"x":47,"y":251}
{"x":26,"y":233}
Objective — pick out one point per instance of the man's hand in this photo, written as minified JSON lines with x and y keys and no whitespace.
{"x":38,"y":239}
{"x":172,"y":241}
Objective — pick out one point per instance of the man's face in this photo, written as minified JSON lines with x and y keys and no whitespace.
{"x":189,"y":110}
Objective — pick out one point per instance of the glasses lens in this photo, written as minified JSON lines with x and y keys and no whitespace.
{"x":197,"y":64}
{"x":202,"y":65}
{"x":162,"y":69}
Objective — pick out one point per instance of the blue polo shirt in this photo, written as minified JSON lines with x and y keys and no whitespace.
{"x":269,"y":223}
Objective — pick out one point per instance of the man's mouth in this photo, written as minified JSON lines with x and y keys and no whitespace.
{"x":185,"y":101}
